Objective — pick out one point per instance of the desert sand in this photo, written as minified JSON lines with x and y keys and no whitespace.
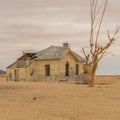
{"x":48,"y":101}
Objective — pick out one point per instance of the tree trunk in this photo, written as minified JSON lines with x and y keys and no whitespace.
{"x":91,"y":82}
{"x":92,"y":75}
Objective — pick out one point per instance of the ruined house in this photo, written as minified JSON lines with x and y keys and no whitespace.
{"x":53,"y":64}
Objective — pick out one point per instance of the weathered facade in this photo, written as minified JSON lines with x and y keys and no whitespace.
{"x":54,"y":64}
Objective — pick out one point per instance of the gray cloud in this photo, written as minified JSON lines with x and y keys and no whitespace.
{"x":26,"y":24}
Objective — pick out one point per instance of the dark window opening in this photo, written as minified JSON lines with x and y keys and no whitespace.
{"x":47,"y":70}
{"x":10,"y":75}
{"x":77,"y":69}
{"x":67,"y":69}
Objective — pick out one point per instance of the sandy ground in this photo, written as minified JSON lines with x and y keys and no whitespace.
{"x":46,"y":101}
{"x":2,"y":77}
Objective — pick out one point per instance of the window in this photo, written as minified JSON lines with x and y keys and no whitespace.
{"x":67,"y":69}
{"x":77,"y":69}
{"x":10,"y":75}
{"x":47,"y":70}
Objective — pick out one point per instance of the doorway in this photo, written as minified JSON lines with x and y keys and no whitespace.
{"x":67,"y":69}
{"x":16,"y":75}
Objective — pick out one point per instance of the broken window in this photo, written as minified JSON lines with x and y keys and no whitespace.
{"x":47,"y":70}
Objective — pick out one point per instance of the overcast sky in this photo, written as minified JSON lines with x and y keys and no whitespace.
{"x":33,"y":25}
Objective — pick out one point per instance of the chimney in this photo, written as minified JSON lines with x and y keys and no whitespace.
{"x":66,"y":46}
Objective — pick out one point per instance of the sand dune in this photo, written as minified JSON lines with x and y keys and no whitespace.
{"x":47,"y":101}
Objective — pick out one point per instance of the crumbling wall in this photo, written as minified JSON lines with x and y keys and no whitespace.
{"x":22,"y":74}
{"x":35,"y":71}
{"x":21,"y":63}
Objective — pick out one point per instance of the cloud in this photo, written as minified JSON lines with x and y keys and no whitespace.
{"x":25,"y":24}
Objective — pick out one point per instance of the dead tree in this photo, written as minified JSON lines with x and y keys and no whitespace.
{"x":96,"y":50}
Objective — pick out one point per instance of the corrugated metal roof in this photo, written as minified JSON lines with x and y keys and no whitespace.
{"x":55,"y":52}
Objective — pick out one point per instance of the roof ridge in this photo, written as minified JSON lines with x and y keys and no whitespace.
{"x":49,"y":48}
{"x":56,"y":52}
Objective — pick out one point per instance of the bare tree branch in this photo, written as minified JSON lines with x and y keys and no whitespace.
{"x":97,"y":51}
{"x":100,"y":23}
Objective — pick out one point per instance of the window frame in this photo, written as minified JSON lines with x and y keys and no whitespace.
{"x":47,"y":70}
{"x":77,"y":69}
{"x":67,"y":69}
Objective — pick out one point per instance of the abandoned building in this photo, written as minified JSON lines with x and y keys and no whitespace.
{"x":53,"y":64}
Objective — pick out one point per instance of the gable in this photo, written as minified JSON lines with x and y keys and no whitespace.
{"x":70,"y":56}
{"x":56,"y":52}
{"x":13,"y":65}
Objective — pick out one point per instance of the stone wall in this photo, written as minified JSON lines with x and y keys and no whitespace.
{"x":10,"y":74}
{"x":57,"y":69}
{"x":36,"y":70}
